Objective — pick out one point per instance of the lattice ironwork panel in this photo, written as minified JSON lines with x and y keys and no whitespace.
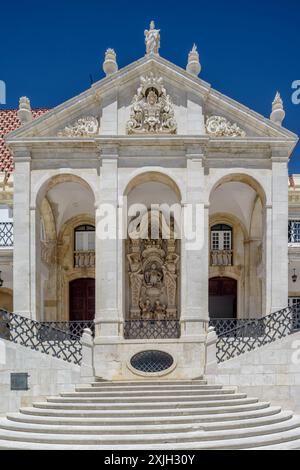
{"x":224,"y":325}
{"x":40,"y":337}
{"x":255,"y":334}
{"x":6,"y":234}
{"x":152,"y":329}
{"x":152,"y":361}
{"x":74,"y":328}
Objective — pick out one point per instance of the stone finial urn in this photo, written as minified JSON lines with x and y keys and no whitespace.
{"x":24,"y":112}
{"x":194,"y":66}
{"x":278,"y":113}
{"x":110,"y":65}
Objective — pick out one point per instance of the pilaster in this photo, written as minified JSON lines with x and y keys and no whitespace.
{"x":107,"y":319}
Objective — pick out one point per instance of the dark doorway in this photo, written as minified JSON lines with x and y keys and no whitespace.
{"x":82,"y":300}
{"x":222,"y":298}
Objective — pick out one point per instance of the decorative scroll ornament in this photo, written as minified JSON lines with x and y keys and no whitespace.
{"x":218,"y":126}
{"x":84,"y":127}
{"x":152,"y":109}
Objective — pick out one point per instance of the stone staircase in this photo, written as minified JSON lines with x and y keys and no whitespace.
{"x":161,"y":415}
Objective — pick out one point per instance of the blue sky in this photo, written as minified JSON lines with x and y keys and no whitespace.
{"x":248,"y":50}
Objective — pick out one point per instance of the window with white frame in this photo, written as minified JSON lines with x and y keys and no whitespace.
{"x":221,"y":238}
{"x":85,"y":238}
{"x":294,"y":231}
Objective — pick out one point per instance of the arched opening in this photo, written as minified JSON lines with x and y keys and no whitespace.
{"x":82,"y":299}
{"x":222,"y":298}
{"x":237,"y":215}
{"x":152,"y":248}
{"x":65,"y":244}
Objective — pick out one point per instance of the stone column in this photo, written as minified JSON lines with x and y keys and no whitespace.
{"x":195,"y":254}
{"x":107,"y":319}
{"x":22,"y":247}
{"x":267,"y":250}
{"x":279,"y":232}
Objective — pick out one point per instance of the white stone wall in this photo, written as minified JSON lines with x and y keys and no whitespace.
{"x":48,"y":376}
{"x":271,"y":373}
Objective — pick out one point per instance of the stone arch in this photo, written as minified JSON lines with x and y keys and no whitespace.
{"x":146,"y":175}
{"x":229,"y":219}
{"x":49,"y":182}
{"x":241,"y":178}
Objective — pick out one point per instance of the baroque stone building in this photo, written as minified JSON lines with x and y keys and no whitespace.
{"x":149,"y":134}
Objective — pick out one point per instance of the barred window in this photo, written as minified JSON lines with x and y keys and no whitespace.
{"x":6,"y":234}
{"x":294,"y":231}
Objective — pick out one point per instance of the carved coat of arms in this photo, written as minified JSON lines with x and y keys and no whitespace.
{"x":152,"y":109}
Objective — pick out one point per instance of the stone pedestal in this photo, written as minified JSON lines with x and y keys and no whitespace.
{"x":112,"y":359}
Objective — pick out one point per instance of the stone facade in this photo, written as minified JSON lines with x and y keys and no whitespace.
{"x":151,"y":133}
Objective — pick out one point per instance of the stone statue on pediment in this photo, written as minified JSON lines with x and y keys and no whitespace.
{"x":152,"y":39}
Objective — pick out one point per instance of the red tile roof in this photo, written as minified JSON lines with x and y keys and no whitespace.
{"x":9,"y":122}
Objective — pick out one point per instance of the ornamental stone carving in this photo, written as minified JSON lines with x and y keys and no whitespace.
{"x":84,"y":127}
{"x":152,"y":109}
{"x":219,"y":126}
{"x":153,"y":277}
{"x":152,"y":39}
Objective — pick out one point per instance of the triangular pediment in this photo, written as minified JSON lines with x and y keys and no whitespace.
{"x":105,"y":108}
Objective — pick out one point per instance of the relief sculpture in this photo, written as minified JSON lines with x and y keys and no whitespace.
{"x":153,"y":278}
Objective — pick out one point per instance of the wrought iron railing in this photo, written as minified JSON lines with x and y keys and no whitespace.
{"x":42,"y":337}
{"x":152,"y":329}
{"x":84,"y":259}
{"x":254,"y":334}
{"x":225,"y":325}
{"x":74,"y":328}
{"x":6,"y":234}
{"x":221,"y":258}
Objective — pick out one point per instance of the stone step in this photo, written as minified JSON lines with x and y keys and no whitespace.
{"x":85,"y":404}
{"x":154,"y":428}
{"x":286,"y":441}
{"x":62,"y":412}
{"x":268,"y":434}
{"x":131,"y":421}
{"x":147,"y":388}
{"x":149,"y":382}
{"x":151,"y":390}
{"x":144,"y":396}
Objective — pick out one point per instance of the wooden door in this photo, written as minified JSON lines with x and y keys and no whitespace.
{"x":222,"y":297}
{"x":82,"y":300}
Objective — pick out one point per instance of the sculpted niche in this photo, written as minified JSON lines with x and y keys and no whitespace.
{"x":152,"y":109}
{"x":153,"y":272}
